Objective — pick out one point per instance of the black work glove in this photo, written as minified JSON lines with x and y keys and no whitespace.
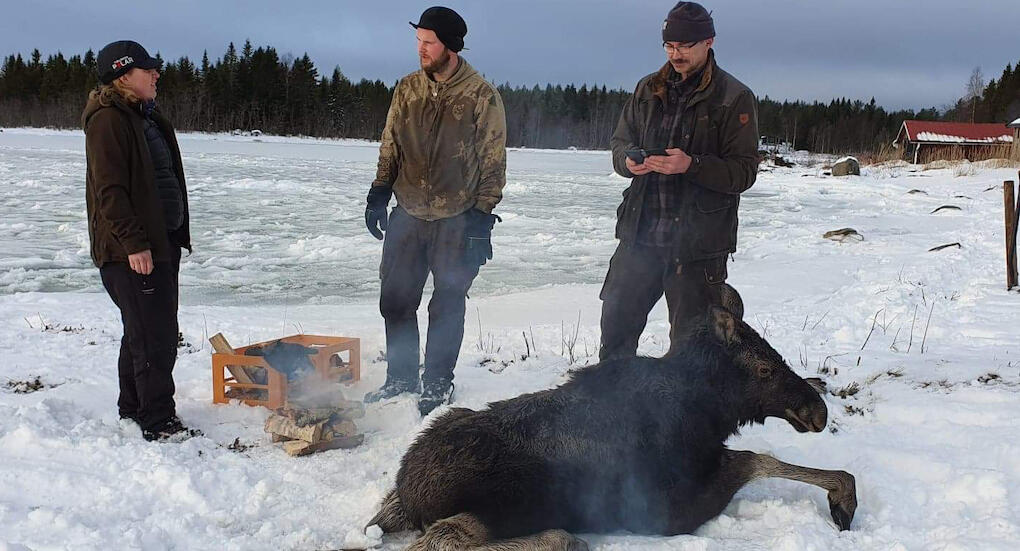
{"x":375,"y":212}
{"x":479,"y":234}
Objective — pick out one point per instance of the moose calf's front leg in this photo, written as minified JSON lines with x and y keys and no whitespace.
{"x":738,"y":468}
{"x":688,"y":511}
{"x":841,"y":485}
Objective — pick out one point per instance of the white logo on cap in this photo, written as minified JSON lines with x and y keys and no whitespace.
{"x":123,"y":62}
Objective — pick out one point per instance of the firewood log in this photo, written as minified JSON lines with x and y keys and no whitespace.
{"x":297,"y":448}
{"x":284,"y":426}
{"x":340,"y":429}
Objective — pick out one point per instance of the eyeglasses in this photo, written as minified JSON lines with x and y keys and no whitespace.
{"x":670,"y":48}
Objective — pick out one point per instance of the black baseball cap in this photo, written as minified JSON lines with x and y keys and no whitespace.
{"x":117,"y":58}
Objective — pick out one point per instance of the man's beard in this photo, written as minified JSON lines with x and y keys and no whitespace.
{"x":437,"y":65}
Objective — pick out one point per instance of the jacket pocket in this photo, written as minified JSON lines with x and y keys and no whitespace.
{"x":715,"y":223}
{"x":709,"y":201}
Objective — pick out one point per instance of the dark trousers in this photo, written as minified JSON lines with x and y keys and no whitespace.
{"x":638,"y":277}
{"x":148,"y":350}
{"x":413,"y":248}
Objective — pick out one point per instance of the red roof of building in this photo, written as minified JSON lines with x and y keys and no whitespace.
{"x":955,"y":132}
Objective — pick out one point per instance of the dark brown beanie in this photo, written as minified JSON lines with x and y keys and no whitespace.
{"x":688,"y":22}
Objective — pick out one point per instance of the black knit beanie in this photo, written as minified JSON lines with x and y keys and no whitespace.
{"x":448,"y":25}
{"x":688,"y":22}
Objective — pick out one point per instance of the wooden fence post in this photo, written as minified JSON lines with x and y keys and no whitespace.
{"x":1011,"y":214}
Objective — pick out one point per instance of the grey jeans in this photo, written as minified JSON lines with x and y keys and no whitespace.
{"x":413,"y":248}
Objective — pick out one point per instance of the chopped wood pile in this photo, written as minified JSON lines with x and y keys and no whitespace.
{"x":303,"y":431}
{"x":315,"y":419}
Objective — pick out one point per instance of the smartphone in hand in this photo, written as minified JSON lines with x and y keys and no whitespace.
{"x":639,"y":155}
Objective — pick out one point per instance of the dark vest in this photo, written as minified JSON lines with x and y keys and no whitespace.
{"x":167,"y":184}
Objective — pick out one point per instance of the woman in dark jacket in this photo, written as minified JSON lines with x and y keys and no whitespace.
{"x":138,"y":222}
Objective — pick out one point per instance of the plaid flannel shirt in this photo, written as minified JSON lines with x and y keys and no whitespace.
{"x":664,"y":194}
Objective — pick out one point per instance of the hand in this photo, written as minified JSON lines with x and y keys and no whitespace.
{"x":635,"y":168}
{"x":377,"y":221}
{"x":376,"y":218}
{"x":479,"y":235}
{"x":141,"y":262}
{"x":674,"y":162}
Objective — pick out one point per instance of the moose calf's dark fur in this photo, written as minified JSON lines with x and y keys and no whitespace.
{"x":628,"y":444}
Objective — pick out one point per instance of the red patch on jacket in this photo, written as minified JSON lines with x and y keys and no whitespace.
{"x":744,"y":117}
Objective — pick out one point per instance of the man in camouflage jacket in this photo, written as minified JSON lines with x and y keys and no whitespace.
{"x":443,"y":154}
{"x":678,"y":220}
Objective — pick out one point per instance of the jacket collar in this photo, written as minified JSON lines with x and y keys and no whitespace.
{"x":103,"y":98}
{"x":661,"y":78}
{"x":464,"y":71}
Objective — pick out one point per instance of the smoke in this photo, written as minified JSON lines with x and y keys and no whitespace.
{"x":307,"y":388}
{"x":315,"y":392}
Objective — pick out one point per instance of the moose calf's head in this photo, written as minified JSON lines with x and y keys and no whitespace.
{"x":772,"y":389}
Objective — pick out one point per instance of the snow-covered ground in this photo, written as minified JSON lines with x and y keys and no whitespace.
{"x":920,"y":349}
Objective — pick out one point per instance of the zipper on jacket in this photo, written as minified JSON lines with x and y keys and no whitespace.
{"x":433,"y":129}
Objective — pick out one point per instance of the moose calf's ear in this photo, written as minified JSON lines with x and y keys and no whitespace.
{"x":723,"y":324}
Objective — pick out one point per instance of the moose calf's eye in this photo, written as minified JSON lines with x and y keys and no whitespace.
{"x":764,"y":371}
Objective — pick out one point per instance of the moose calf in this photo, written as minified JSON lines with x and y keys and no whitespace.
{"x":631,"y":444}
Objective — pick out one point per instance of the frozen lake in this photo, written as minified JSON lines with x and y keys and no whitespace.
{"x":282,"y":220}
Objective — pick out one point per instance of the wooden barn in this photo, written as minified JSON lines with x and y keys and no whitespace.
{"x":927,"y":141}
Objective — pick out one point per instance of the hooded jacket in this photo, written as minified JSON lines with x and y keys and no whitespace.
{"x":125,"y":215}
{"x":443,"y":147}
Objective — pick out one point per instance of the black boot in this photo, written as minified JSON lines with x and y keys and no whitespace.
{"x":392,"y":388}
{"x":434,"y":394}
{"x":171,"y":430}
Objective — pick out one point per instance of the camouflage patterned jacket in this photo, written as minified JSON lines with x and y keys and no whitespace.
{"x":444,"y":145}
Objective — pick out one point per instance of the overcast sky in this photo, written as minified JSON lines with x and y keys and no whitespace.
{"x":905,"y":53}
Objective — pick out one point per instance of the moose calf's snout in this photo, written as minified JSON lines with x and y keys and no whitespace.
{"x":814,"y":416}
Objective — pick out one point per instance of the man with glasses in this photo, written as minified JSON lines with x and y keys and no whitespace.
{"x":689,"y":139}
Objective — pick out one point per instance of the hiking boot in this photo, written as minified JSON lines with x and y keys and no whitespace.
{"x":435,"y":394}
{"x":171,"y":430}
{"x":392,"y":388}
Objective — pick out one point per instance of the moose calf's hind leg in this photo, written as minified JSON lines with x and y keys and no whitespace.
{"x":391,"y":516}
{"x":840,"y":485}
{"x":548,"y":540}
{"x":457,"y":533}
{"x":466,"y":532}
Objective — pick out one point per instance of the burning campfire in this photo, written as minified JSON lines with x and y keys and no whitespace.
{"x":299,"y":378}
